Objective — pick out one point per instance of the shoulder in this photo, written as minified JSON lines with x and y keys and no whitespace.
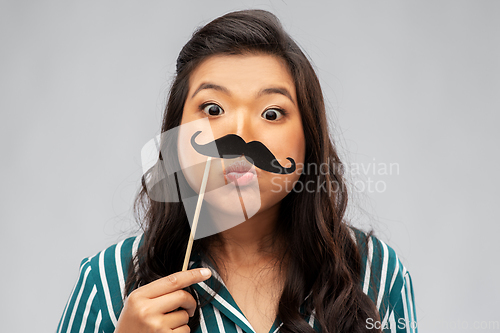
{"x":110,"y":269}
{"x":384,"y":277}
{"x":112,"y":262}
{"x":97,"y":297}
{"x":110,"y":266}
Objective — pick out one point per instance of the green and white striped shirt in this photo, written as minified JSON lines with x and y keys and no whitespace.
{"x":96,"y":300}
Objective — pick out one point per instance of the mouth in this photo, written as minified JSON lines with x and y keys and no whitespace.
{"x":241,"y":172}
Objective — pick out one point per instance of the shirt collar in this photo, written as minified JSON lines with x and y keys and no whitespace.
{"x":222,"y":299}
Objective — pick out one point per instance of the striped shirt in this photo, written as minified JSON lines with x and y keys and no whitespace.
{"x":96,"y":301}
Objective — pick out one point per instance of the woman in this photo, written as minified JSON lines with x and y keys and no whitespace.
{"x":293,"y":265}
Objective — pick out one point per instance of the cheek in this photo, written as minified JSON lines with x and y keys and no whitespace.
{"x":274,"y":186}
{"x":191,"y":162}
{"x":290,"y":143}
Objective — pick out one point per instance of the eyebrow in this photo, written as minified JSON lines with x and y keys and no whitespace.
{"x":266,"y":91}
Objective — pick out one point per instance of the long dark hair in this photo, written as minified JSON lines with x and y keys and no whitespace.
{"x":324,"y":261}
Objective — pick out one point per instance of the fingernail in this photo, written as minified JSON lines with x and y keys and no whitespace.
{"x":205,"y":272}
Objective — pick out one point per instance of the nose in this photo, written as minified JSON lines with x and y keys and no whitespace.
{"x":243,"y":125}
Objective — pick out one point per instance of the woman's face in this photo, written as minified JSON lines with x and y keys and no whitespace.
{"x":254,"y":97}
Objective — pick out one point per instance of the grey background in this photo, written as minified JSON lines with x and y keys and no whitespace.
{"x":83,"y":86}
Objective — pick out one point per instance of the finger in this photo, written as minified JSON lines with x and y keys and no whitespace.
{"x":182,"y":329}
{"x":174,"y":300}
{"x":176,"y":319}
{"x":173,"y":282}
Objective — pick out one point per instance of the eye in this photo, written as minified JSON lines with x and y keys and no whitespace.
{"x":211,"y":109}
{"x":273,"y":114}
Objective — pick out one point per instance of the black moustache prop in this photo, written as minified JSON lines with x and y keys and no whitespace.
{"x":232,"y":146}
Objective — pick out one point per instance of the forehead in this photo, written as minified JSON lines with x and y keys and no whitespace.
{"x":244,"y":73}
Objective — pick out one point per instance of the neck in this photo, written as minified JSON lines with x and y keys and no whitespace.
{"x":250,"y":242}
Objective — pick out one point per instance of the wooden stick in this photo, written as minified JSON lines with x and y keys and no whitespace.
{"x":197,"y":214}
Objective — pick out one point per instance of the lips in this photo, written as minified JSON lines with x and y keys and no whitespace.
{"x":240,"y":172}
{"x":239,"y":167}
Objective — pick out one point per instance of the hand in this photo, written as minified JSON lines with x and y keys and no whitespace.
{"x":155,"y":306}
